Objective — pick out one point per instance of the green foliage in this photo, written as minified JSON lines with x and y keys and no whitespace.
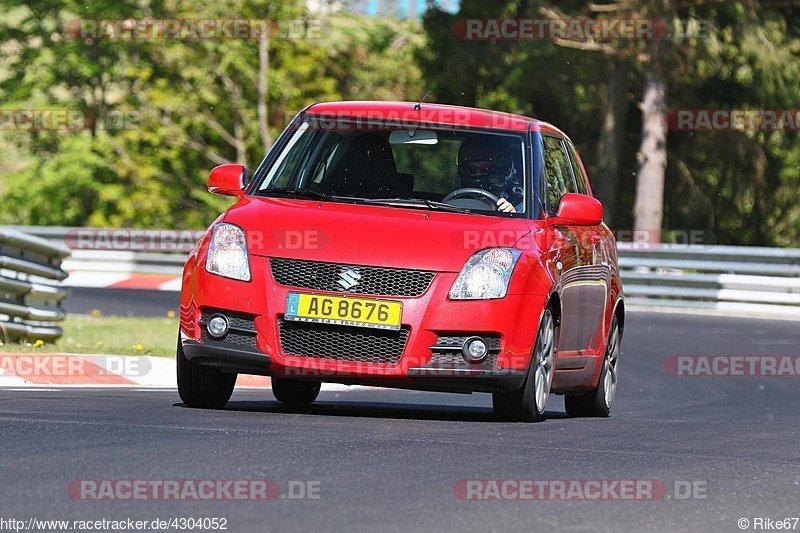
{"x":185,"y":105}
{"x":62,"y":189}
{"x":113,"y":335}
{"x":742,"y":187}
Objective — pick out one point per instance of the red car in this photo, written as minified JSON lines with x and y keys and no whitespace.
{"x":406,"y":245}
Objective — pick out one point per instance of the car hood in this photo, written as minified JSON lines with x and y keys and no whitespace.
{"x":369,"y":235}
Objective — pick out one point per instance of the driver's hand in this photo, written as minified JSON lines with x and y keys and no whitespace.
{"x":505,"y":206}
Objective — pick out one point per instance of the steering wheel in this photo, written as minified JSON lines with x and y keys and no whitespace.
{"x":483,"y":195}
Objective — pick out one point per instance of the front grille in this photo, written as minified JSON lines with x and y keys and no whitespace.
{"x":241,"y":335}
{"x":232,"y":340}
{"x":457,"y":341}
{"x":240,"y":322}
{"x":456,"y":360}
{"x":325,"y":341}
{"x":377,"y":281}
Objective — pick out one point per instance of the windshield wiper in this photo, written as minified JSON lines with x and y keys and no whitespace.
{"x":416,"y":202}
{"x":301,"y":192}
{"x":447,"y":207}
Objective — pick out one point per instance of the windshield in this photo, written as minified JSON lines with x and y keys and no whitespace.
{"x":404,"y":166}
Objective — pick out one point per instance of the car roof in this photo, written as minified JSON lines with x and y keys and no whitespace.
{"x":442,"y":114}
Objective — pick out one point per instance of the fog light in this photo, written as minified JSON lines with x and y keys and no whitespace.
{"x":475,"y":350}
{"x":218,"y":326}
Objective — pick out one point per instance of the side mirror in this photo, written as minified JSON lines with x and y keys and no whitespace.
{"x":227,"y":180}
{"x":580,"y":210}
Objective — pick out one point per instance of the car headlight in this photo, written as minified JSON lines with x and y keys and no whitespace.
{"x":227,"y":253}
{"x":486,"y":275}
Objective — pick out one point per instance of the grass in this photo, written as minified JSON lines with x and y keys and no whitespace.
{"x":109,"y":335}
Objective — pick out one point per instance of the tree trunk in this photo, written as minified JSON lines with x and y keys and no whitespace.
{"x":648,"y":210}
{"x":238,"y":128}
{"x":610,"y":142}
{"x":263,"y":71}
{"x":241,"y":147}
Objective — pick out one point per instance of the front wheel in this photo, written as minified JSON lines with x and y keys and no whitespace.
{"x":527,"y":403}
{"x":201,"y":386}
{"x":294,"y":391}
{"x":597,"y":402}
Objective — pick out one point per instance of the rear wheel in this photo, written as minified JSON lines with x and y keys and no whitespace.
{"x":295,"y":391}
{"x":597,"y":402}
{"x":200,"y":386}
{"x":527,"y":403}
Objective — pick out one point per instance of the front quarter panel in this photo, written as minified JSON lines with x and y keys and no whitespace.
{"x":189,"y":315}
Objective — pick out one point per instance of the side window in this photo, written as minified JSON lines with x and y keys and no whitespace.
{"x":577,"y":169}
{"x":322,"y":158}
{"x":558,"y":176}
{"x":284,"y":168}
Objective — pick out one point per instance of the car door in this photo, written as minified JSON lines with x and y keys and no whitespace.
{"x":580,"y":283}
{"x":600,"y":251}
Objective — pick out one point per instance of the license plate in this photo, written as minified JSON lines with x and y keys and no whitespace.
{"x":363,"y":312}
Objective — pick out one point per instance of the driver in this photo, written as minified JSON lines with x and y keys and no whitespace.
{"x":489,"y":165}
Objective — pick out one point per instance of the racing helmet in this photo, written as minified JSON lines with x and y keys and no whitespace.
{"x":486,"y":164}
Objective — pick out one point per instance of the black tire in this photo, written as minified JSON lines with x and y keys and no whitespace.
{"x":201,"y":386}
{"x":516,"y":406}
{"x":596,"y":403}
{"x":522,"y":405}
{"x":295,"y":391}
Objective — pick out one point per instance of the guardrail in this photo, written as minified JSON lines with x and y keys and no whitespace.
{"x":733,"y":279}
{"x":99,"y":261}
{"x":30,"y":299}
{"x":738,"y":279}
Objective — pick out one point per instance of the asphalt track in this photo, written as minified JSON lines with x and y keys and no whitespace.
{"x":121,"y":302}
{"x":389,"y":460}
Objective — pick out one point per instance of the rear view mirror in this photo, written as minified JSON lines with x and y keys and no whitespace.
{"x":413,"y":137}
{"x":228,"y":180}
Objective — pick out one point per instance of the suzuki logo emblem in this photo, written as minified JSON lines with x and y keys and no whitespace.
{"x":349,"y":278}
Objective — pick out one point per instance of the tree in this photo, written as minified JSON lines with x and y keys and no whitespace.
{"x":188,"y":104}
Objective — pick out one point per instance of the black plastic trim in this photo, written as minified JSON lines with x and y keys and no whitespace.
{"x":228,"y":359}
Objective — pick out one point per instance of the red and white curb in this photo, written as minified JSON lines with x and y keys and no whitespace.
{"x":69,"y":370}
{"x":114,"y":280}
{"x":112,"y":269}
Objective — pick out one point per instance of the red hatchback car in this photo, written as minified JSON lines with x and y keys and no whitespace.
{"x":406,"y":245}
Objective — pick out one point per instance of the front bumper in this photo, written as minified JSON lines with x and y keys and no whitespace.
{"x":442,"y":379}
{"x":513,"y":320}
{"x":226,"y":359}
